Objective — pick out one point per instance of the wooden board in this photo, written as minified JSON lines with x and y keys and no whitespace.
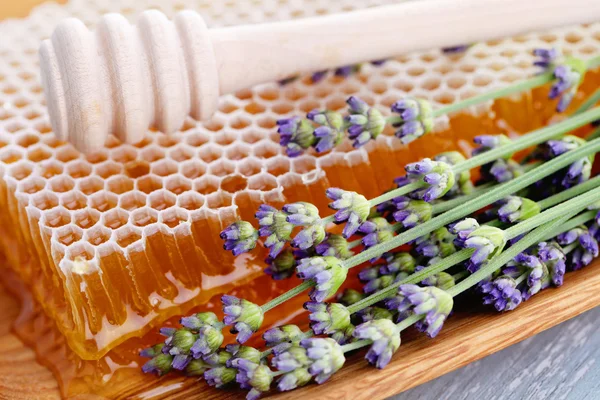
{"x":466,"y":337}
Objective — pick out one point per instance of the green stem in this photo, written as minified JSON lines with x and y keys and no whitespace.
{"x":460,"y":275}
{"x":497,"y":262}
{"x":287,"y":295}
{"x":446,"y":205}
{"x":570,"y":206}
{"x":477,"y":203}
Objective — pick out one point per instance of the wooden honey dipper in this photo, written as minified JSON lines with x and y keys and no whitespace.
{"x":123,"y":79}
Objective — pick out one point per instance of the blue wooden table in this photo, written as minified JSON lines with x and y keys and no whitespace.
{"x":562,"y":363}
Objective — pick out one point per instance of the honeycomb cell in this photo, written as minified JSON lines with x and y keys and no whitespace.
{"x":164,"y":168}
{"x":173,"y":217}
{"x":103,"y":201}
{"x":127,"y":235}
{"x":137,"y":168}
{"x":27,"y":140}
{"x":152,"y":153}
{"x":57,"y":217}
{"x":50,"y":168}
{"x":21,"y":170}
{"x":114,"y":219}
{"x":192,"y":169}
{"x":108,"y":169}
{"x":209,"y":153}
{"x":68,"y":235}
{"x":119,"y":184}
{"x":87,"y":218}
{"x":132,"y":200}
{"x":67,"y":153}
{"x":180,"y":154}
{"x":74,"y":200}
{"x":31,"y":185}
{"x":97,"y":235}
{"x":78,"y":169}
{"x":44,"y":200}
{"x":10,"y":155}
{"x":190,"y":201}
{"x":144,"y":216}
{"x":149,"y":184}
{"x":90,"y":185}
{"x":161,"y":199}
{"x":178,"y":184}
{"x":221,"y":168}
{"x":123,"y":154}
{"x":38,"y":153}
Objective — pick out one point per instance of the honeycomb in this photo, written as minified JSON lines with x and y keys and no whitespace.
{"x":116,"y":242}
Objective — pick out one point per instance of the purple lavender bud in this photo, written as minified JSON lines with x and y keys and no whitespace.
{"x":330,"y":133}
{"x":347,"y":70}
{"x":350,"y":296}
{"x":326,"y":357}
{"x":281,"y":267}
{"x":400,"y":262}
{"x":586,"y":246}
{"x":244,"y":316}
{"x":253,"y":376}
{"x":318,"y":76}
{"x":537,"y":276}
{"x":487,"y":242}
{"x":439,"y":243}
{"x":410,"y":212}
{"x":294,"y":364}
{"x":551,"y":254}
{"x":437,"y":176}
{"x":377,"y":230}
{"x":275,"y":227}
{"x":220,"y":376}
{"x":159,"y":365}
{"x":462,"y":48}
{"x":334,"y":246}
{"x":328,"y":274}
{"x":282,"y":337}
{"x":462,"y":229}
{"x":489,"y":142}
{"x":442,"y":280}
{"x":415,"y":120}
{"x":210,"y":338}
{"x":502,"y":292}
{"x":374,"y":313}
{"x":296,"y":135}
{"x":514,"y":208}
{"x":546,"y":57}
{"x":365,"y":122}
{"x":327,"y":318}
{"x":240,"y":237}
{"x":433,"y":303}
{"x":385,"y":336}
{"x":351,"y":207}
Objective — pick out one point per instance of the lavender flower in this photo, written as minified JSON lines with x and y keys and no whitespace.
{"x":489,"y":142}
{"x":245,"y":316}
{"x":398,"y":263}
{"x":415,"y":120}
{"x":318,"y":76}
{"x":242,"y":352}
{"x":350,"y":296}
{"x":331,"y":131}
{"x":515,"y":208}
{"x":334,"y":246}
{"x":439,"y":243}
{"x":462,"y":229}
{"x":463,"y":185}
{"x":487,"y":241}
{"x":253,"y":376}
{"x":240,"y":237}
{"x":431,"y":302}
{"x":385,"y":336}
{"x":294,"y":363}
{"x":456,"y":49}
{"x":344,"y":336}
{"x":502,"y":292}
{"x":437,"y":176}
{"x":410,"y":212}
{"x":326,"y":357}
{"x":281,"y":267}
{"x":347,"y":70}
{"x":586,"y":249}
{"x":328,"y":274}
{"x":377,"y":230}
{"x":282,"y":337}
{"x":351,"y":207}
{"x":220,"y":376}
{"x":551,"y":254}
{"x":196,"y":368}
{"x":536,"y":272}
{"x":577,"y":172}
{"x":327,"y":318}
{"x":568,"y":73}
{"x":275,"y":227}
{"x":442,"y":280}
{"x":365,"y":122}
{"x":373,"y":313}
{"x":210,"y":338}
{"x":375,"y":280}
{"x":160,"y":364}
{"x":196,"y":321}
{"x":502,"y":171}
{"x":296,"y":135}
{"x":307,"y":215}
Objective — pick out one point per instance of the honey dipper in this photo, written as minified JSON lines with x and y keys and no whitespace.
{"x":123,"y":79}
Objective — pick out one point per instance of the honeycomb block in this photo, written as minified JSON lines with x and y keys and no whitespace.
{"x":113,"y":243}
